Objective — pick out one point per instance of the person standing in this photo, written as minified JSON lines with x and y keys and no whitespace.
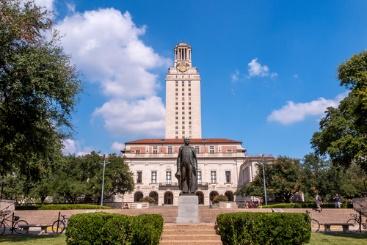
{"x":318,"y":202}
{"x":337,"y":200}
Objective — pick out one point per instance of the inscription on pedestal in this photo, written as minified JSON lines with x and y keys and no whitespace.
{"x":188,"y":209}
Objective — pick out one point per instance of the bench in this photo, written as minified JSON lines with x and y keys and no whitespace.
{"x":345,"y":226}
{"x":26,"y":227}
{"x":277,"y":210}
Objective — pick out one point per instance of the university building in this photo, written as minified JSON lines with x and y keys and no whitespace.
{"x":223,"y":165}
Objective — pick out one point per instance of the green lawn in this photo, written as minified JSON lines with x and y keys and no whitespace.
{"x":339,"y":238}
{"x":316,"y":239}
{"x":28,"y":240}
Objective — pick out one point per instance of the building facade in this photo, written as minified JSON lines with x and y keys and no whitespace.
{"x":183,"y":105}
{"x":223,"y":165}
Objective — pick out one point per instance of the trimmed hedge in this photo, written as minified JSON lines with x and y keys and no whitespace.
{"x":264,"y":228}
{"x":305,"y":205}
{"x":104,"y":228}
{"x":59,"y":207}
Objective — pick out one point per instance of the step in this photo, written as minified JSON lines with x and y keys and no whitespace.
{"x":202,"y":242}
{"x":178,"y":231}
{"x":188,"y":237}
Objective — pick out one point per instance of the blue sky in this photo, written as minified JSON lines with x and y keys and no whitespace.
{"x":268,"y":68}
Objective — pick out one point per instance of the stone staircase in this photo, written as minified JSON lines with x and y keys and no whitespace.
{"x":195,"y":234}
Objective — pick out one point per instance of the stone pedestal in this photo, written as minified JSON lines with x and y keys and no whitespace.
{"x":188,"y":209}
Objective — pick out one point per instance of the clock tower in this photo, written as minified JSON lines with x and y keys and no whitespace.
{"x":183,"y":106}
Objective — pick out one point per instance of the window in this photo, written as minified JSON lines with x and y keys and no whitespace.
{"x":137,"y":151}
{"x":190,"y":89}
{"x":190,"y":122}
{"x":176,"y":127}
{"x":176,"y":108}
{"x":183,"y":122}
{"x":176,"y":112}
{"x":183,"y":108}
{"x":169,"y":149}
{"x":213,"y":177}
{"x":176,"y":94}
{"x":183,"y":103}
{"x":155,"y":149}
{"x":183,"y":127}
{"x":190,"y":108}
{"x":183,"y":94}
{"x":176,"y":103}
{"x":176,"y":118}
{"x":154,"y":177}
{"x":176,"y":89}
{"x":211,"y":149}
{"x":139,"y":177}
{"x":197,"y":149}
{"x":183,"y":83}
{"x":199,"y":177}
{"x":189,"y":103}
{"x":168,"y":177}
{"x":228,"y":176}
{"x":176,"y":122}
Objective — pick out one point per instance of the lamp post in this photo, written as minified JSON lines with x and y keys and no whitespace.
{"x":104,"y":167}
{"x":264,"y":182}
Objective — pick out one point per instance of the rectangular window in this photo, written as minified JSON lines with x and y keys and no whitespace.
{"x":168,"y":177}
{"x":228,"y":176}
{"x":155,"y":149}
{"x":213,"y":177}
{"x":154,"y":177}
{"x":211,"y":149}
{"x":199,"y":177}
{"x":169,"y":149}
{"x":197,"y":149}
{"x":139,"y":177}
{"x":137,"y":151}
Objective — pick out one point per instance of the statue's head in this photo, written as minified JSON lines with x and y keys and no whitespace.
{"x":186,"y":141}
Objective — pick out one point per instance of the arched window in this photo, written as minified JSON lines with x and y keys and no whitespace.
{"x":154,"y":195}
{"x":138,"y":196}
{"x":229,"y":195}
{"x":212,"y":195}
{"x":200,"y":197}
{"x":168,"y":198}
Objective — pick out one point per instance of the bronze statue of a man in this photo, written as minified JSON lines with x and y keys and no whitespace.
{"x":187,"y":166}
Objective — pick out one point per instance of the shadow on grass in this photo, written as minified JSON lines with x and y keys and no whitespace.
{"x":30,"y":238}
{"x":355,"y":235}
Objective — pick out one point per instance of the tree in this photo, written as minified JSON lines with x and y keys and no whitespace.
{"x":79,"y":178}
{"x":38,"y":87}
{"x":343,"y":130}
{"x":282,"y":180}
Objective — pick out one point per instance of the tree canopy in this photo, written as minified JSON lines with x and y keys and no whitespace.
{"x":343,"y":130}
{"x":38,"y":89}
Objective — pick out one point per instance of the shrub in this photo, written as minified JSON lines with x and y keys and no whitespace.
{"x":147,"y":199}
{"x":60,"y":207}
{"x":102,"y":228}
{"x":220,"y":198}
{"x":264,"y":228}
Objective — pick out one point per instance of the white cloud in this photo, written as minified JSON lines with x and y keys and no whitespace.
{"x":71,"y":7}
{"x":295,"y":112}
{"x":138,"y":117}
{"x":48,"y":4}
{"x":106,"y":47}
{"x":73,"y":147}
{"x":255,"y":69}
{"x":117,"y":146}
{"x":235,"y":76}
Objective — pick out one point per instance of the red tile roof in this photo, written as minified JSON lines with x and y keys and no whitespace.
{"x":180,"y":141}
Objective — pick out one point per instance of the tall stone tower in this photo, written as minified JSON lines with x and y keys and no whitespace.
{"x":183,"y":107}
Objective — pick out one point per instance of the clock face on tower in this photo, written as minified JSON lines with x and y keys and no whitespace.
{"x":182,"y":66}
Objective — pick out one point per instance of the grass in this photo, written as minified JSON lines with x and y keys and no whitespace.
{"x":338,"y":238}
{"x":316,"y":239}
{"x":28,"y":240}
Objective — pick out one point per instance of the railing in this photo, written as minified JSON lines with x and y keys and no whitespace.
{"x":174,"y":186}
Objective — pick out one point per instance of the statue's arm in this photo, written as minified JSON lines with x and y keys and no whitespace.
{"x":179,"y":161}
{"x":195,"y":160}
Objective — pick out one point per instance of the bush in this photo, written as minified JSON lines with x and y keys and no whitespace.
{"x":220,"y":198}
{"x":147,"y":199}
{"x":264,"y":228}
{"x":102,"y":228}
{"x":59,"y":207}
